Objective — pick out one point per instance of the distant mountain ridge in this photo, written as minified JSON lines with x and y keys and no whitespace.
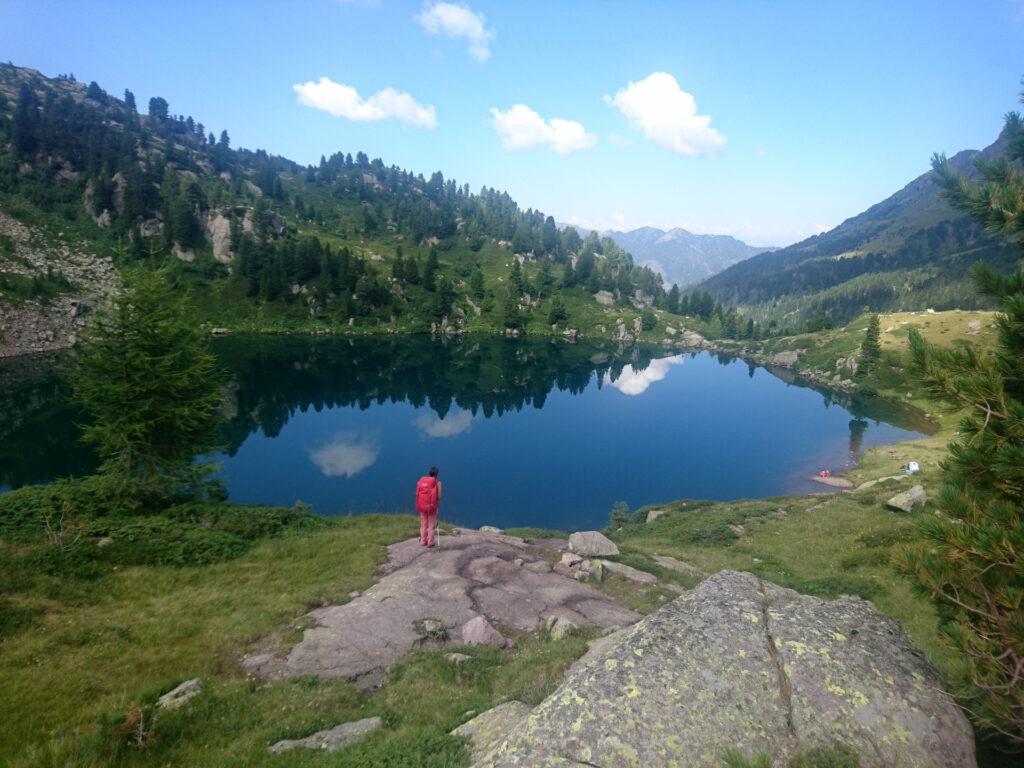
{"x":679,"y":255}
{"x":911,"y":251}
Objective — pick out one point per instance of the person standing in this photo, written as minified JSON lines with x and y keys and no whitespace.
{"x":428,"y":498}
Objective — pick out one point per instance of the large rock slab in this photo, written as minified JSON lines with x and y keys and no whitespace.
{"x":181,"y":695}
{"x":592,"y":544}
{"x":741,"y":663}
{"x":629,"y":572}
{"x":333,"y":739}
{"x":908,"y":500}
{"x":679,"y":566}
{"x":431,"y":599}
{"x":488,"y":729}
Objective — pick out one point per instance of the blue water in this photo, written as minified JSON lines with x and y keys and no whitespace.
{"x":680,"y":426}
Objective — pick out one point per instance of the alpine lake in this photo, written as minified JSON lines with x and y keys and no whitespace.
{"x":525,"y":432}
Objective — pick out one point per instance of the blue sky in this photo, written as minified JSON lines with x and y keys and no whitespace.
{"x":768,"y":121}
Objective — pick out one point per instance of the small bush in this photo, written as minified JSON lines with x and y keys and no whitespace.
{"x":864,"y":558}
{"x":162,"y":541}
{"x":838,"y":756}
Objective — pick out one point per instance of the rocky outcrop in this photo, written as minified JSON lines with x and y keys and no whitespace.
{"x":679,"y":566}
{"x":741,"y":663}
{"x":629,"y":572}
{"x":908,"y":500}
{"x":181,"y":695}
{"x":457,"y":594}
{"x":332,"y":739}
{"x":218,"y":229}
{"x":787,"y":359}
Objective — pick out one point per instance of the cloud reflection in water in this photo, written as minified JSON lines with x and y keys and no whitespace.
{"x":346,"y":454}
{"x":454,"y":423}
{"x":632,"y":382}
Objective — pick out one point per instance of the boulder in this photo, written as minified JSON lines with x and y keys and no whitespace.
{"x":333,"y":739}
{"x":181,"y":695}
{"x":570,"y":559}
{"x":833,"y":482}
{"x":786,"y":359}
{"x":605,"y":298}
{"x":908,"y":500}
{"x":490,"y":529}
{"x":561,"y":627}
{"x":487,"y":729}
{"x":592,"y":544}
{"x":741,"y":663}
{"x":654,"y":514}
{"x":633,"y":574}
{"x":478,"y":631}
{"x":458,"y":658}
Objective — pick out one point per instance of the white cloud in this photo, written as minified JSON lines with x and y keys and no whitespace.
{"x":346,"y":454}
{"x":632,"y":382}
{"x":619,"y":140}
{"x":458,"y":21}
{"x":522,"y":128}
{"x":454,"y":423}
{"x":344,"y":101}
{"x":667,"y":115}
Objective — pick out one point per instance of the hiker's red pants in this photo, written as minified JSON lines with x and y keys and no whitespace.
{"x":428,"y":524}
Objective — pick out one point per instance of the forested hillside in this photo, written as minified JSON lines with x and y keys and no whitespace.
{"x":268,"y":244}
{"x":910,"y":251}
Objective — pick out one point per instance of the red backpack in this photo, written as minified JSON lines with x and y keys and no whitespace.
{"x":426,"y":494}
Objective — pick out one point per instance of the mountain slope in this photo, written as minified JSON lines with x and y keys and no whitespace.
{"x":682,"y":257}
{"x":267,"y":244}
{"x":910,"y":251}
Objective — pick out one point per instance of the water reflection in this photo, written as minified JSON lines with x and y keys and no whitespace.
{"x":634,"y":381}
{"x":346,"y":454}
{"x":455,"y":423}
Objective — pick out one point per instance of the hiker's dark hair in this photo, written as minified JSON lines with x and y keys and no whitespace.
{"x":433,"y":472}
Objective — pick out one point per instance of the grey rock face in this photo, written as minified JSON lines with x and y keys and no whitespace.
{"x":654,"y":514}
{"x":739,"y":662}
{"x":487,"y":729}
{"x":908,"y":500}
{"x":424,"y":599}
{"x":181,"y":695}
{"x":332,"y":739}
{"x":592,"y":544}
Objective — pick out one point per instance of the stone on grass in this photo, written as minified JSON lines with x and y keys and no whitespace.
{"x":181,"y":695}
{"x":592,"y":544}
{"x":561,"y":627}
{"x":457,"y":658}
{"x":679,"y":566}
{"x":908,"y":500}
{"x":654,"y":514}
{"x":478,"y":631}
{"x":490,"y":529}
{"x":628,"y":572}
{"x":487,"y":729}
{"x":333,"y":739}
{"x":741,"y":663}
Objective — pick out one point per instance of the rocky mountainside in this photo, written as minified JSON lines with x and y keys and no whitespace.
{"x":682,"y":257}
{"x":910,"y":251}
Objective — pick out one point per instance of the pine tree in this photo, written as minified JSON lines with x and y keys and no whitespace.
{"x":871,"y":347}
{"x":147,"y":376}
{"x":970,"y":561}
{"x":557,"y":313}
{"x":430,"y":271}
{"x":476,"y":284}
{"x":648,"y":320}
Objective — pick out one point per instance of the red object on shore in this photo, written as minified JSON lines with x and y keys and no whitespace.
{"x":824,"y":473}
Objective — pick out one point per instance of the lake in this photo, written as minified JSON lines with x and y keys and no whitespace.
{"x":525,"y":432}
